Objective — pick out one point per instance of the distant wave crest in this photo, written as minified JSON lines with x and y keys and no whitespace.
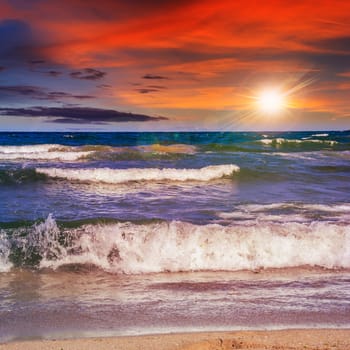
{"x":42,"y":152}
{"x":93,"y":152}
{"x":281,"y":141}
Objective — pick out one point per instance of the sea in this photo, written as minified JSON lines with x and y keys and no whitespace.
{"x":126,"y":233}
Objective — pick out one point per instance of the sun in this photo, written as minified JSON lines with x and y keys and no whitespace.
{"x":270,"y":101}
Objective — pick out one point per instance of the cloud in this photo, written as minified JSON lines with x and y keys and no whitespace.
{"x":329,"y":62}
{"x":37,"y":61}
{"x":17,"y":41}
{"x":54,"y":73}
{"x":59,"y":95}
{"x":158,"y":87}
{"x":146,"y":91}
{"x":78,"y":115}
{"x":25,"y":90}
{"x":14,"y":33}
{"x":340,"y":43}
{"x":152,"y":76}
{"x":2,"y":68}
{"x":150,"y":88}
{"x":38,"y":93}
{"x":104,"y":86}
{"x":88,"y":74}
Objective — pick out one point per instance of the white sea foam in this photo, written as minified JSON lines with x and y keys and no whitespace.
{"x":250,"y":214}
{"x":71,"y":153}
{"x":178,"y":246}
{"x":115,"y":176}
{"x":320,"y":135}
{"x":315,"y":135}
{"x":281,"y":141}
{"x":277,"y":141}
{"x":64,"y":156}
{"x":344,"y":207}
{"x":5,"y":249}
{"x":335,"y":208}
{"x":249,"y":218}
{"x":42,"y":152}
{"x":29,"y":148}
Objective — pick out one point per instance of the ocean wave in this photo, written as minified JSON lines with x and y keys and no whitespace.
{"x":19,"y":176}
{"x":288,"y":212}
{"x":147,"y":152}
{"x":282,"y":141}
{"x":29,"y":148}
{"x":332,"y":168}
{"x":177,"y":246}
{"x":116,"y":176}
{"x":42,"y":152}
{"x":173,"y":148}
{"x":5,"y":251}
{"x":94,"y":152}
{"x":228,"y":148}
{"x":343,"y":207}
{"x":320,"y":135}
{"x":315,"y":135}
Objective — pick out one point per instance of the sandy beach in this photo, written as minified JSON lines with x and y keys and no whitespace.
{"x":305,"y":339}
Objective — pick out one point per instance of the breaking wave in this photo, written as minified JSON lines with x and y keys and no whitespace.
{"x":302,"y":145}
{"x":94,"y":152}
{"x":315,"y":135}
{"x":158,"y":151}
{"x":131,"y":248}
{"x":115,"y":176}
{"x":19,"y":176}
{"x":288,"y":212}
{"x":42,"y":152}
{"x":282,"y":140}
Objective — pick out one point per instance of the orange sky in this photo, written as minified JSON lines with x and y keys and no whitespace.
{"x":197,"y":63}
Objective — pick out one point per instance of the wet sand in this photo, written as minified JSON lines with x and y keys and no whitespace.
{"x":303,"y":339}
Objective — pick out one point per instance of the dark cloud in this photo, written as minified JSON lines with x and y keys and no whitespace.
{"x":34,"y":92}
{"x":37,"y":61}
{"x":158,"y":87}
{"x":333,"y":44}
{"x":78,"y":115}
{"x":147,"y":91}
{"x":25,"y":90}
{"x":106,"y":10}
{"x":16,"y":40}
{"x":150,"y":89}
{"x":54,"y":73}
{"x":152,"y":76}
{"x":14,"y":32}
{"x":25,"y":3}
{"x":59,"y":95}
{"x":104,"y":86}
{"x":2,"y":68}
{"x":329,"y":62}
{"x":88,"y":74}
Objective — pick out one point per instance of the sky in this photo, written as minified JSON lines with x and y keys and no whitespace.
{"x":157,"y":65}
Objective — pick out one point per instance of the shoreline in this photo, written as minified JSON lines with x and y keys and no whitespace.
{"x":289,"y":339}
